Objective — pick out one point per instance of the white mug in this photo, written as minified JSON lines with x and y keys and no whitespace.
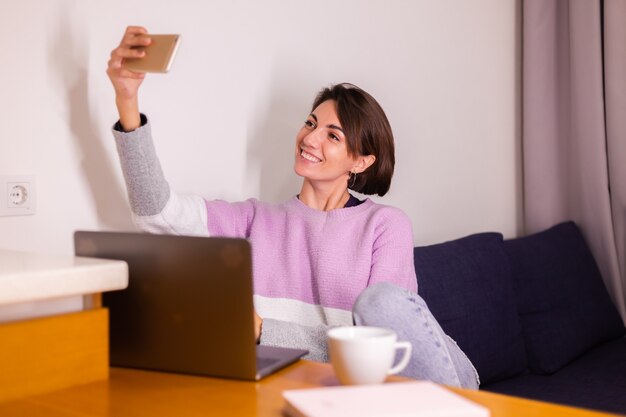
{"x":365,"y":355}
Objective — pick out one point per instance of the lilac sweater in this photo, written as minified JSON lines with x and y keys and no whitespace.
{"x":309,"y":265}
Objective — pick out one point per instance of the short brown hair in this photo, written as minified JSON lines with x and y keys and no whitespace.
{"x":367,"y":132}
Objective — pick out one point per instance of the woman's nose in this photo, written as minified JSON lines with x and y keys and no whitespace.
{"x":312,"y":139}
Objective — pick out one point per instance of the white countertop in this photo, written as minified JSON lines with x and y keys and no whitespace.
{"x":26,"y":277}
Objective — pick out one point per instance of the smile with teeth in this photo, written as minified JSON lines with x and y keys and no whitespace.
{"x":309,"y":157}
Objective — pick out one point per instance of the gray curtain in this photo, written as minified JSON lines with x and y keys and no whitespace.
{"x":574,"y":126}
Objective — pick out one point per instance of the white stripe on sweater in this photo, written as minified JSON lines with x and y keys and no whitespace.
{"x":299,"y":312}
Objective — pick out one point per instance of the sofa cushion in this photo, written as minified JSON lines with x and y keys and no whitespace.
{"x":596,"y":380}
{"x":468,"y":287}
{"x":563,"y":304}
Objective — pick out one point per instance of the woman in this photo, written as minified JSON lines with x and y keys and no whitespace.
{"x":322,"y":258}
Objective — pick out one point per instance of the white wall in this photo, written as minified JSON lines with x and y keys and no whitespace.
{"x":224,"y":119}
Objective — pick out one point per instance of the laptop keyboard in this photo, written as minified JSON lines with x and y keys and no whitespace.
{"x":264,"y":362}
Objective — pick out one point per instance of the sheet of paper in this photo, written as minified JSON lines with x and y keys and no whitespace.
{"x":419,"y":399}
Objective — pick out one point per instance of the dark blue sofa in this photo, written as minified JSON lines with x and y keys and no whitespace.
{"x":531,"y":313}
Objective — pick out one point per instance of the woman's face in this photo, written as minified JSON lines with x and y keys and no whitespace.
{"x":321,"y":149}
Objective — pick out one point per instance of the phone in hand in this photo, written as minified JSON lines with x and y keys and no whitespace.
{"x":159,"y":54}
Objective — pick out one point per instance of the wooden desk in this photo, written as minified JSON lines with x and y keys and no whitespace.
{"x":140,"y":393}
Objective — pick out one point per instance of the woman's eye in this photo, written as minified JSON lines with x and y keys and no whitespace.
{"x":309,"y":123}
{"x":334,"y":137}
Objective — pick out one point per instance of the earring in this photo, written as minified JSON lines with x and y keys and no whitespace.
{"x":353,"y":179}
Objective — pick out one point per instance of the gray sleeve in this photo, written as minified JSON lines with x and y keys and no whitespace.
{"x":286,"y":334}
{"x":148,"y":191}
{"x":156,"y":208}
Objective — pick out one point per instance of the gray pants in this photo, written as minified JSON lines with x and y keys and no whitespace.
{"x":435,"y":356}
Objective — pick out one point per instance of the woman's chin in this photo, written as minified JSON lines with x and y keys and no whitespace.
{"x":300,"y":170}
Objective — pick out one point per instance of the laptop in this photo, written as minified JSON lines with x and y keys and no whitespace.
{"x":188,"y":306}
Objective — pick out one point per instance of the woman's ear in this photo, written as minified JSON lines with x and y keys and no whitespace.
{"x":363,"y":162}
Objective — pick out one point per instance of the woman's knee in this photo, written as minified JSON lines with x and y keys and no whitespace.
{"x":375,"y":296}
{"x":379,"y":299}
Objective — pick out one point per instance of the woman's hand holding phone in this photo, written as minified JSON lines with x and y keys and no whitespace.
{"x":125,"y":82}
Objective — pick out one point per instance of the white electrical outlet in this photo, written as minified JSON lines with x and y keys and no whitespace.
{"x":17,"y":195}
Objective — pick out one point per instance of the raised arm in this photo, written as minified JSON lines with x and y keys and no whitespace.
{"x":126,"y":83}
{"x":155,"y":207}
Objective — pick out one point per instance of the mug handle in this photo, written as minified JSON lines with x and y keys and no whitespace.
{"x":405,"y":359}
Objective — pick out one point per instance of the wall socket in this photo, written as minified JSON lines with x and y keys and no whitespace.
{"x":18,"y":195}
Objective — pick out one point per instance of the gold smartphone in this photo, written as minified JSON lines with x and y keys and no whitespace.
{"x":159,"y":55}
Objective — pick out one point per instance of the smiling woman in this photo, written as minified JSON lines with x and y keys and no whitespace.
{"x":356,"y":125}
{"x":329,"y":159}
{"x":322,"y":258}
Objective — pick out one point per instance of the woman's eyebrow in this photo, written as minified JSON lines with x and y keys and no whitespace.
{"x":331,"y":126}
{"x":335,"y":127}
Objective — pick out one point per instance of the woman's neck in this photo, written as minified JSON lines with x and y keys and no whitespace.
{"x":322,"y":197}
